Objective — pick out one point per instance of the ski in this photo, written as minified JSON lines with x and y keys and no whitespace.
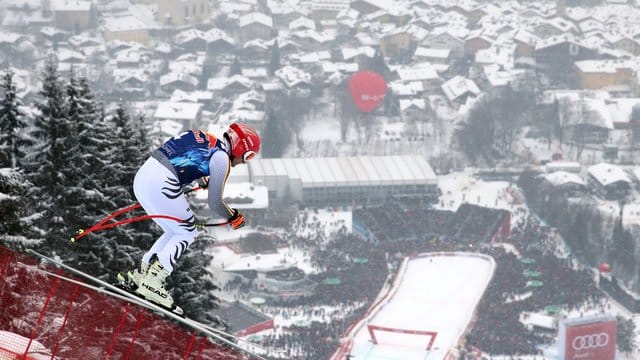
{"x":116,"y":292}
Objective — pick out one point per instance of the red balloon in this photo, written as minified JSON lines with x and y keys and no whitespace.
{"x":367,"y":89}
{"x":604,"y":267}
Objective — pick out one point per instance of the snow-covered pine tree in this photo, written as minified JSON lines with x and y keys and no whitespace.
{"x":133,"y":147}
{"x":193,"y":287}
{"x":129,"y":149}
{"x":274,"y":60}
{"x":13,"y":122}
{"x":83,"y":187}
{"x":236,"y":68}
{"x":49,"y":160}
{"x":91,"y":200}
{"x":279,"y":136}
{"x":15,"y":224}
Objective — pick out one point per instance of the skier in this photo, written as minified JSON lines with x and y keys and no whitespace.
{"x":191,"y":156}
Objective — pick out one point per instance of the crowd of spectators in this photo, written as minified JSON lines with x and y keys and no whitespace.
{"x":497,"y":329}
{"x":287,"y":275}
{"x":400,"y":231}
{"x":612,"y":287}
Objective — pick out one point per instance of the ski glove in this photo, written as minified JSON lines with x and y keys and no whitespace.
{"x":236,"y":220}
{"x":203,"y":182}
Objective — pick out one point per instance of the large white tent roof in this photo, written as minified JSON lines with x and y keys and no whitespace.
{"x":348,"y":171}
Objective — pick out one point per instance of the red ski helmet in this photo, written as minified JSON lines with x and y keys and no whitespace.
{"x":245,"y":141}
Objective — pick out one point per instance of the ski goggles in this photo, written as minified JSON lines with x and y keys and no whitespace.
{"x":248,"y":156}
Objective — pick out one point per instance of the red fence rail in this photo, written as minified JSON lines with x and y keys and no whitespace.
{"x":43,"y":317}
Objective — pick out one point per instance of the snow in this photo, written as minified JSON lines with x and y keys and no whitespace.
{"x":238,"y":194}
{"x":608,"y":174}
{"x":436,"y":293}
{"x":286,"y":257}
{"x":329,"y":221}
{"x":12,"y":344}
{"x":631,"y":214}
{"x":562,"y":177}
{"x":458,"y":188}
{"x":319,"y":130}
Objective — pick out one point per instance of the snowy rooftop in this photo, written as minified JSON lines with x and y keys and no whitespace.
{"x":412,"y":88}
{"x":621,"y":108}
{"x":70,"y":5}
{"x":255,"y":17}
{"x":412,"y":103}
{"x":219,"y":83}
{"x":292,"y":76}
{"x":607,"y":174}
{"x":602,"y":66}
{"x":420,"y":72}
{"x":192,"y":96}
{"x":558,"y":178}
{"x":177,"y":111}
{"x":458,"y":86}
{"x":126,"y":23}
{"x":432,"y":53}
{"x":497,"y":77}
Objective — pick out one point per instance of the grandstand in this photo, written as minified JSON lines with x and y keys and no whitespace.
{"x":343,"y":180}
{"x":243,"y":320}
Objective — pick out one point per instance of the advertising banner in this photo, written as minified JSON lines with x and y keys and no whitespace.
{"x":590,"y":341}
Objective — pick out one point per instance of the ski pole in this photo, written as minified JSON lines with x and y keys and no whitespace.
{"x":83,"y":233}
{"x":100,"y":225}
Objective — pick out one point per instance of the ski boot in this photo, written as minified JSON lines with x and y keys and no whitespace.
{"x":152,"y":288}
{"x":131,"y":280}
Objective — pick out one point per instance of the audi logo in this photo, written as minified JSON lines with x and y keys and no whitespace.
{"x":591,"y":341}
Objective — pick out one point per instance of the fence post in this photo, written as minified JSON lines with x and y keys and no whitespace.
{"x":136,"y":331}
{"x":5,"y":265}
{"x":188,"y":350}
{"x":66,"y":317}
{"x":201,"y":348}
{"x":116,"y":333}
{"x":52,"y":291}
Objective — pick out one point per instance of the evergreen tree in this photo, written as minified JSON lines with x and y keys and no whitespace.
{"x":477,"y":133}
{"x":274,"y":61}
{"x":626,"y":329}
{"x":236,"y":69}
{"x":623,"y":248}
{"x":132,"y":148}
{"x":85,"y":190}
{"x":634,"y":120}
{"x":128,"y":150}
{"x":105,"y":253}
{"x":279,"y":136}
{"x":192,"y":285}
{"x":378,"y":64}
{"x":349,"y":112}
{"x":93,"y":198}
{"x":13,"y":138}
{"x":15,"y":224}
{"x":49,"y":163}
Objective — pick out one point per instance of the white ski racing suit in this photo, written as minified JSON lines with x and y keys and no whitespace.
{"x":158,"y":186}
